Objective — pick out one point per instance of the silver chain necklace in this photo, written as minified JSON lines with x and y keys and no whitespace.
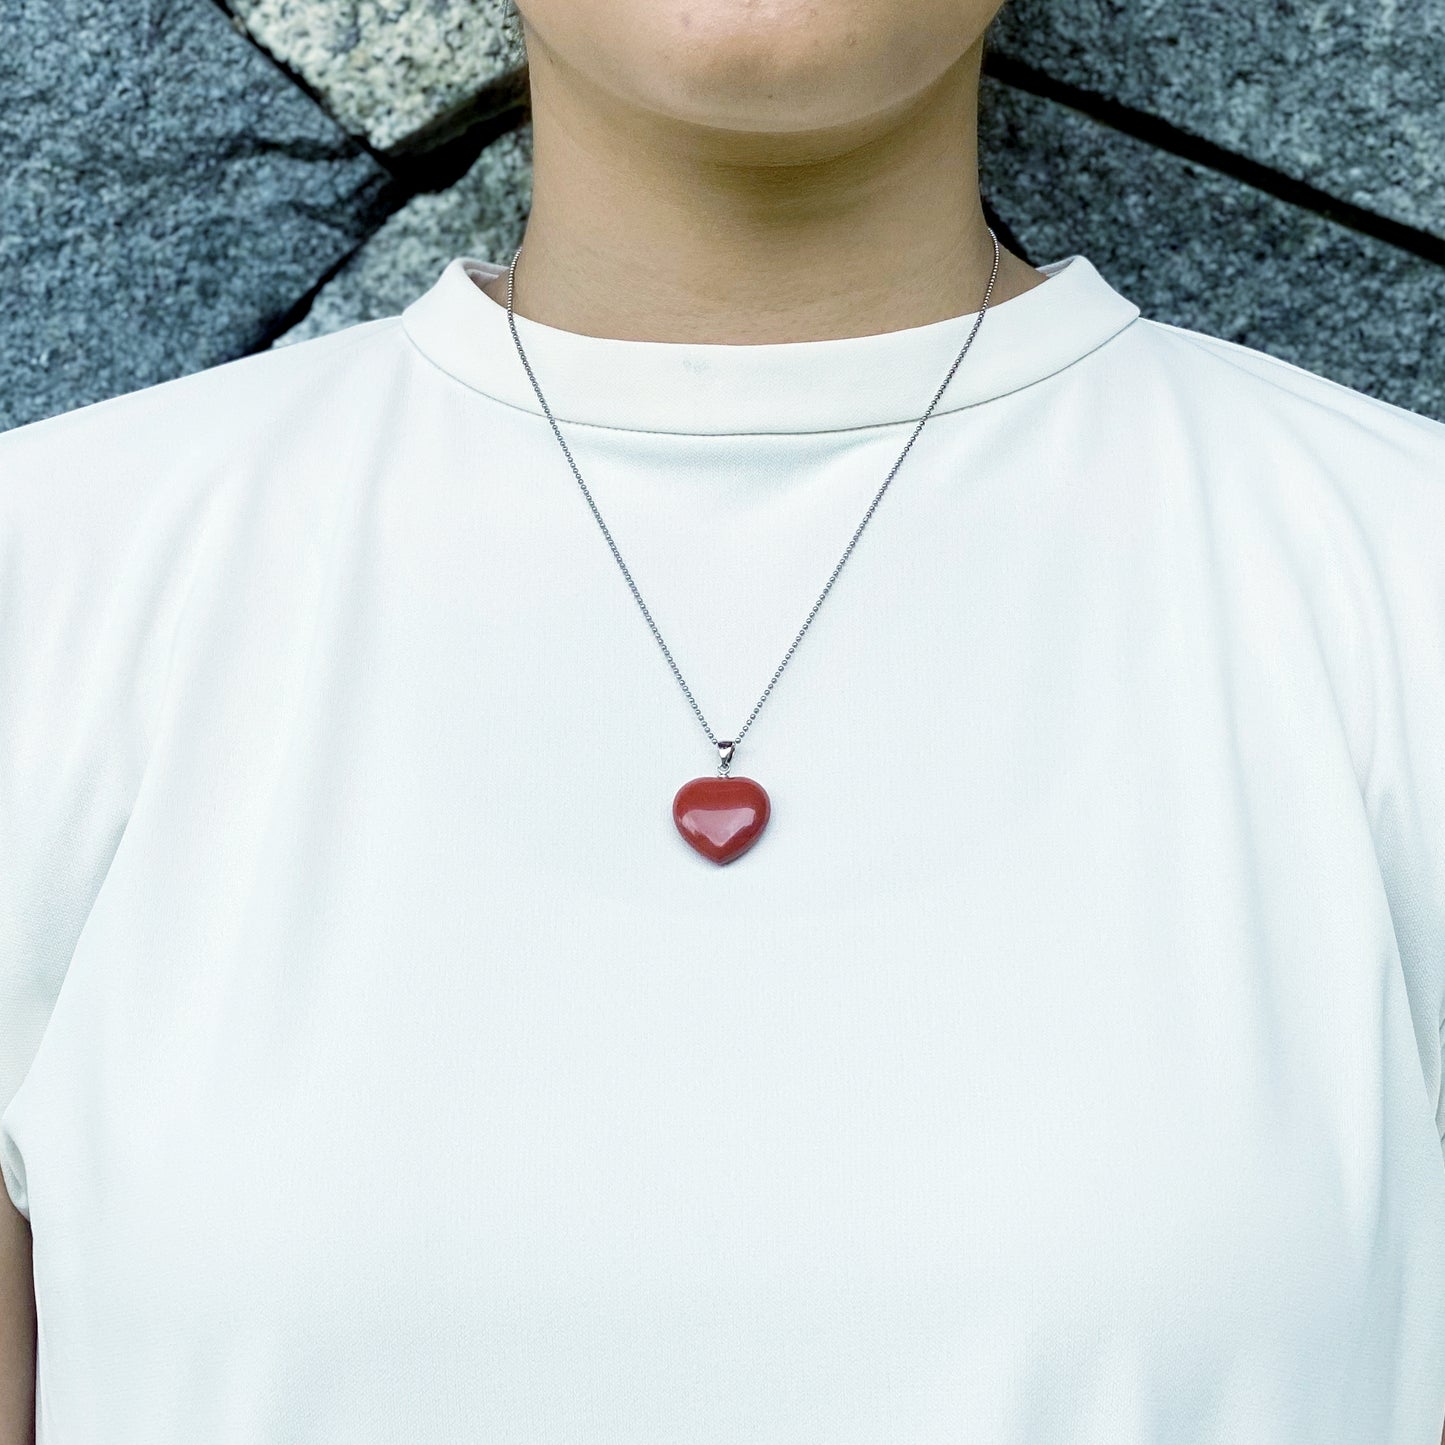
{"x":721,"y":817}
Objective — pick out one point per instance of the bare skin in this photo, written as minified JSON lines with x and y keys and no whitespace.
{"x":749,"y":171}
{"x":778,"y":170}
{"x":729,"y":171}
{"x":737,"y":171}
{"x":17,"y":1328}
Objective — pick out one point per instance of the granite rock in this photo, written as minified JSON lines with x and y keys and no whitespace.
{"x":483,"y":215}
{"x":1191,"y":246}
{"x":166,"y":196}
{"x":388,"y":69}
{"x":1347,"y":96}
{"x":1202,"y":250}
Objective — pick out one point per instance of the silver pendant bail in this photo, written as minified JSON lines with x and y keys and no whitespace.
{"x":725,"y":758}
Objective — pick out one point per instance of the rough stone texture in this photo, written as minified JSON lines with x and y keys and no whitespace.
{"x":1192,"y":247}
{"x":1347,"y":95}
{"x":387,"y":68}
{"x":483,"y":215}
{"x":1203,"y":251}
{"x":166,"y":196}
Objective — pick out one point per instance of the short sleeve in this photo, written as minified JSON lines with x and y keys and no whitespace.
{"x":93,"y":542}
{"x":1401,"y":509}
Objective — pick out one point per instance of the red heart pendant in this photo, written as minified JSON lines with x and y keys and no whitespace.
{"x":720,"y":817}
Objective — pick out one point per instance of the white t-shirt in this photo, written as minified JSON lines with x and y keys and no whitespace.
{"x":1063,"y":1063}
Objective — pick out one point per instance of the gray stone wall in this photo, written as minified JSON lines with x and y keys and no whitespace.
{"x":194,"y":180}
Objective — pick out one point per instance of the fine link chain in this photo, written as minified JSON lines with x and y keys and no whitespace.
{"x":725,"y":747}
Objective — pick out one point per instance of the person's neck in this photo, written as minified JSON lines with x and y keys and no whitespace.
{"x":649,"y":231}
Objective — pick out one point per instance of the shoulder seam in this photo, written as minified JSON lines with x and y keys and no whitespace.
{"x":1205,"y":341}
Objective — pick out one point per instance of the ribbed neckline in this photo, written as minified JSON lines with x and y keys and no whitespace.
{"x":776,"y":387}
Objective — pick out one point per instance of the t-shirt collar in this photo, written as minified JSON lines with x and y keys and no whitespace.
{"x":791,"y":386}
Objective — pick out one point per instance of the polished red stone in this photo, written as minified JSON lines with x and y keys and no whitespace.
{"x":721,"y":817}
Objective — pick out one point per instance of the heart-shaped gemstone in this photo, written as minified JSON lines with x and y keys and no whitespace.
{"x":720,"y":817}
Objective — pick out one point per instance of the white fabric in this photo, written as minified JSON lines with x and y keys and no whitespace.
{"x":1062,"y":1064}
